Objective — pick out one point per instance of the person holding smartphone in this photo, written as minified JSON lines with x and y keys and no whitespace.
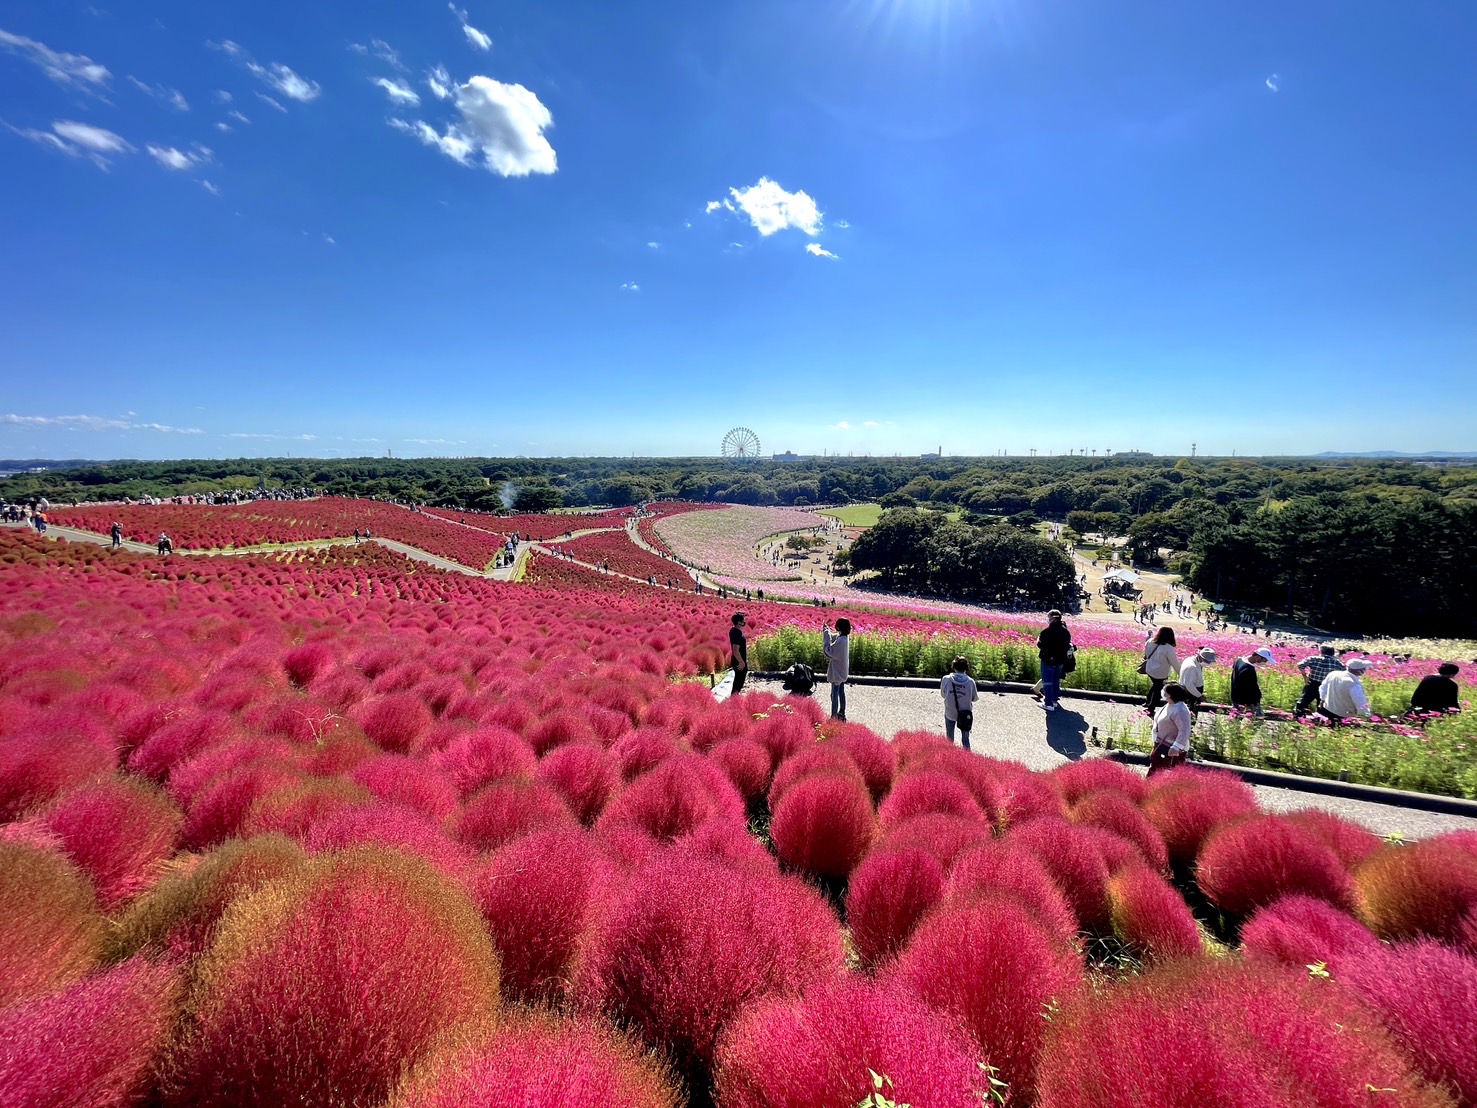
{"x":838,"y":663}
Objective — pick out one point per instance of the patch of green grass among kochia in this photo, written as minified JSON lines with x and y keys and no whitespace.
{"x":856,"y":515}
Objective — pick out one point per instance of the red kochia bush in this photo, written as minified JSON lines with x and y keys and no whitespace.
{"x":994,"y":966}
{"x":322,"y":987}
{"x":673,"y":799}
{"x":50,"y":929}
{"x":389,"y":825}
{"x":690,"y":942}
{"x":1427,"y":995}
{"x":1004,"y":869}
{"x":483,"y":756}
{"x":1207,"y":1031}
{"x":810,"y":759}
{"x":873,"y":755}
{"x":1350,"y":841}
{"x":1079,"y":779}
{"x":747,"y":764}
{"x":1114,"y":812}
{"x":920,"y":792}
{"x":394,"y":721}
{"x":220,"y":808}
{"x":1185,"y":805}
{"x":410,"y":783}
{"x":537,"y":1060}
{"x":586,"y":776}
{"x":824,"y":824}
{"x":643,"y":750}
{"x":821,"y":1051}
{"x":887,"y":896}
{"x":557,"y":728}
{"x":1150,"y":916}
{"x":1410,"y":892}
{"x":1023,"y":796}
{"x":1074,"y":862}
{"x":305,"y":664}
{"x":1246,"y":865}
{"x":1303,"y":930}
{"x":539,"y":896}
{"x":158,"y":755}
{"x":118,"y":831}
{"x":943,"y":836}
{"x":112,"y":1025}
{"x":509,"y":809}
{"x":57,"y":752}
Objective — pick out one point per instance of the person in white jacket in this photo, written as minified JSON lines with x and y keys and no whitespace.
{"x":1160,"y":663}
{"x":1192,"y":675}
{"x":1172,"y":725}
{"x":838,"y":664}
{"x":1342,"y":693}
{"x":959,"y":692}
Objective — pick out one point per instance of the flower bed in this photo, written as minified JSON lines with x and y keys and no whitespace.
{"x":287,"y":828}
{"x":646,"y":523}
{"x":724,"y":543}
{"x":270,"y":522}
{"x":615,"y":551}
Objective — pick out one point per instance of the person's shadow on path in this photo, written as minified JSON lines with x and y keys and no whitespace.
{"x":1066,"y":731}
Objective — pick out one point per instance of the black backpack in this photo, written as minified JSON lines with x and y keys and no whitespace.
{"x":799,"y":679}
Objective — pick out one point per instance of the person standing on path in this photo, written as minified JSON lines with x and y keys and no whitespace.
{"x":1246,"y":686}
{"x":959,"y":692}
{"x":1160,"y":662}
{"x":117,"y":533}
{"x":838,"y":663}
{"x":1052,"y":646}
{"x":1437,"y":692}
{"x":739,"y":646}
{"x":1314,"y":669}
{"x":1172,"y":726}
{"x":1192,"y":676}
{"x":1342,"y":693}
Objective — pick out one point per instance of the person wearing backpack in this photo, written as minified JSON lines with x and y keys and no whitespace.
{"x":959,"y":692}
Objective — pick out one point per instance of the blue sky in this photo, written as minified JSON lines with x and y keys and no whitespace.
{"x":877,"y":226}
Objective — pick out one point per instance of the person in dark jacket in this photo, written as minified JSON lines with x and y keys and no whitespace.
{"x":740,"y":648}
{"x":1437,"y":692}
{"x":1246,"y":686}
{"x":1052,"y":646}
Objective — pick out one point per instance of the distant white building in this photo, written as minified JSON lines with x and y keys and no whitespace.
{"x":791,"y":456}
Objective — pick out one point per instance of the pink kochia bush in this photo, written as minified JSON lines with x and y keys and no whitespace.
{"x":1410,"y":892}
{"x":672,"y":800}
{"x":114,"y":1025}
{"x":1211,"y":1032}
{"x":58,"y":752}
{"x":1000,"y":868}
{"x":1185,"y":805}
{"x":887,"y":896}
{"x":994,"y":967}
{"x":537,"y":1060}
{"x":821,"y":1051}
{"x":508,"y":809}
{"x":323,"y":986}
{"x":690,"y":942}
{"x":1249,"y":864}
{"x":1301,"y":931}
{"x":1150,"y":916}
{"x":586,"y":776}
{"x":119,"y":831}
{"x":1427,"y":995}
{"x":824,"y":824}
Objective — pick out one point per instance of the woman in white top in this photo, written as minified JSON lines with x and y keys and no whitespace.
{"x":960,"y":693}
{"x":1171,"y":730}
{"x":838,"y":664}
{"x":1160,"y":662}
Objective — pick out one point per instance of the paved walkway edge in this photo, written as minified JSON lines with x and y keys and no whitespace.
{"x":1348,"y":790}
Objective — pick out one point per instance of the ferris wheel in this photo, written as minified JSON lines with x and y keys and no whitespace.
{"x":741,"y":445}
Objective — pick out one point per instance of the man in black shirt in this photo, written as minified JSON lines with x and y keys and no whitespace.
{"x":1438,"y":691}
{"x":740,"y":648}
{"x":1052,"y":646}
{"x":1246,"y":686}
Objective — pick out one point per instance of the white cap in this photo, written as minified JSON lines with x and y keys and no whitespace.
{"x":1356,"y":665}
{"x":1264,"y":653}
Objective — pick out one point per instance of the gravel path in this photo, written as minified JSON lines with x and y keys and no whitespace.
{"x":1014,"y":727}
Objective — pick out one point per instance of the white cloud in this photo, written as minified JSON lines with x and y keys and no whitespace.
{"x":653,"y":246}
{"x":439,"y":82}
{"x":504,"y":124}
{"x":280,"y":78}
{"x":842,"y":426}
{"x":869,"y":423}
{"x":179,"y":160}
{"x":381,"y":50}
{"x":223,"y":128}
{"x":330,"y":240}
{"x":1274,"y":82}
{"x":819,"y":251}
{"x":269,"y":435}
{"x":770,"y":208}
{"x":262,"y":96}
{"x":480,"y":39}
{"x":842,"y":224}
{"x":238,"y":117}
{"x":171,"y":96}
{"x":630,"y":286}
{"x":435,"y":442}
{"x":222,"y":96}
{"x":210,"y":188}
{"x":75,"y":70}
{"x":398,"y":91}
{"x":77,"y":140}
{"x":94,"y":423}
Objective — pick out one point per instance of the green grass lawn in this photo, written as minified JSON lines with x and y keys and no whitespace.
{"x":856,"y":515}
